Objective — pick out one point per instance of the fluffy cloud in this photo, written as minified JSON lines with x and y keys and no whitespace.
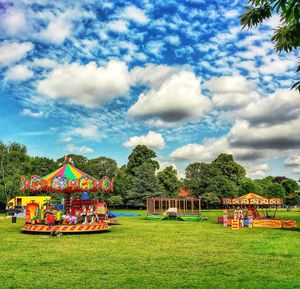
{"x":57,"y":30}
{"x":293,"y":161}
{"x":280,"y":136}
{"x":77,"y":149}
{"x":89,"y":132}
{"x":135,"y":14}
{"x":274,"y":64}
{"x":29,"y":112}
{"x":210,"y":149}
{"x":152,"y":75}
{"x":86,"y":85}
{"x":257,"y":170}
{"x":11,"y":52}
{"x":231,"y":91}
{"x":19,"y":73}
{"x":173,"y":39}
{"x":118,"y":26}
{"x":152,"y":140}
{"x":178,"y":98}
{"x":281,"y":106}
{"x":44,"y":62}
{"x":13,"y":21}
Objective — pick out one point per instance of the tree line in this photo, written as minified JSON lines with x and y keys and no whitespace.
{"x":140,"y":178}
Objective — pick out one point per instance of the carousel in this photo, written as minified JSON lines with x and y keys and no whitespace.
{"x":253,"y":210}
{"x":74,"y":214}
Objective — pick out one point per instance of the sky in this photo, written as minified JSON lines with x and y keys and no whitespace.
{"x":97,"y":78}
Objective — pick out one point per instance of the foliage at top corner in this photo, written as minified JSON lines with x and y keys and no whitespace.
{"x":286,"y":36}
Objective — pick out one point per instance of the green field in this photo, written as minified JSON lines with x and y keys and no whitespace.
{"x":153,"y":254}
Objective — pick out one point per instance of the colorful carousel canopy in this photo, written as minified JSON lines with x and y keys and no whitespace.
{"x":66,"y":179}
{"x":251,"y":199}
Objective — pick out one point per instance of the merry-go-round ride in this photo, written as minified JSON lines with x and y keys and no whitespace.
{"x":76,"y":215}
{"x":243,"y":211}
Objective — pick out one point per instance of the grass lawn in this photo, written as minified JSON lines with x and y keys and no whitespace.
{"x":153,"y":254}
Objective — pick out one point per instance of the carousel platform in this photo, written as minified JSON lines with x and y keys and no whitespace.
{"x":66,"y":228}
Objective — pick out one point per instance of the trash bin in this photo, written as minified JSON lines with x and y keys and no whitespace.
{"x":14,"y":219}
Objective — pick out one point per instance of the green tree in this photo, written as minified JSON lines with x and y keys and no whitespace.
{"x":79,"y":161}
{"x":276,"y":190}
{"x":102,"y":166}
{"x":198,"y":176}
{"x":289,"y":185}
{"x":139,"y":156}
{"x":14,"y":162}
{"x":286,"y":36}
{"x":222,"y":187}
{"x":42,"y":166}
{"x":250,"y":186}
{"x":142,"y":181}
{"x":144,"y":185}
{"x":229,"y":168}
{"x":209,"y":200}
{"x":169,"y":181}
{"x":116,"y":200}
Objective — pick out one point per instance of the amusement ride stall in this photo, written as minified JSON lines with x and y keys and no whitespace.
{"x":252,"y":209}
{"x":74,"y":215}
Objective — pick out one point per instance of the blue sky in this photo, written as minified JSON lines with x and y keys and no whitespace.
{"x":97,"y":78}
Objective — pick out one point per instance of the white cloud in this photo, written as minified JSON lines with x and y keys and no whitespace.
{"x":293,"y":160}
{"x":210,"y":149}
{"x":256,"y":170}
{"x":273,"y":64}
{"x":231,"y":91}
{"x":173,"y":39}
{"x":44,"y":62}
{"x":155,"y":47}
{"x":273,"y":22}
{"x":90,"y":132}
{"x":13,"y":21}
{"x":135,"y":14}
{"x":152,"y":140}
{"x":86,"y":85}
{"x":11,"y":52}
{"x":178,"y":98}
{"x":281,"y":136}
{"x":118,"y":26}
{"x":152,"y":75}
{"x":29,"y":112}
{"x":281,"y":106}
{"x":76,"y":149}
{"x":66,"y":139}
{"x":19,"y":73}
{"x":231,"y":14}
{"x":57,"y":30}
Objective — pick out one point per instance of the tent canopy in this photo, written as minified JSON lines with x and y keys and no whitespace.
{"x":252,"y":199}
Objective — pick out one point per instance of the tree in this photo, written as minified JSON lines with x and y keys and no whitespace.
{"x":276,"y":190}
{"x":289,"y":185}
{"x":14,"y":162}
{"x":250,"y":186}
{"x":229,"y":168}
{"x":116,"y":200}
{"x":144,"y":185}
{"x":79,"y":161}
{"x":287,"y":35}
{"x":169,"y":181}
{"x":198,"y":177}
{"x":102,"y":166}
{"x":42,"y":166}
{"x":142,"y":181}
{"x":140,"y":155}
{"x":210,"y":199}
{"x":222,"y":187}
